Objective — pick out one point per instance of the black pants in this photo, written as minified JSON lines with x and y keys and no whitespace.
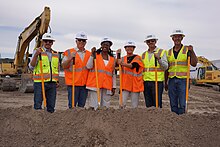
{"x":150,"y":93}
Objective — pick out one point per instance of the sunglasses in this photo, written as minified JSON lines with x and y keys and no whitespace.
{"x":81,"y":40}
{"x":50,"y":41}
{"x":149,"y":41}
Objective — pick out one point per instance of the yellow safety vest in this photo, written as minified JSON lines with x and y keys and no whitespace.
{"x":50,"y":69}
{"x":149,"y":66}
{"x":177,"y":67}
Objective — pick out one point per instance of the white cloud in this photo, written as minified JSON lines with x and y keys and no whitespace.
{"x":120,"y":20}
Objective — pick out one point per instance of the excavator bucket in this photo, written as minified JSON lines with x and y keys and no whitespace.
{"x":27,"y":83}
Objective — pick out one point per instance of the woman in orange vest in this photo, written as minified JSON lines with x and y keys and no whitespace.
{"x":80,"y":73}
{"x":105,"y":62}
{"x":132,"y":81}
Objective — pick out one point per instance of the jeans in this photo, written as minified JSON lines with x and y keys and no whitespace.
{"x":177,"y":94}
{"x":150,"y":93}
{"x":81,"y":94}
{"x":50,"y":93}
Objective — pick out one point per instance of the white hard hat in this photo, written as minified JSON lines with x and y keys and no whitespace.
{"x":81,"y":35}
{"x":150,"y":37}
{"x":48,"y":36}
{"x":106,"y":39}
{"x":130,"y":43}
{"x":177,"y":32}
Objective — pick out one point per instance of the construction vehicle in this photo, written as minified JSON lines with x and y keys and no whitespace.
{"x":14,"y":72}
{"x":207,"y":74}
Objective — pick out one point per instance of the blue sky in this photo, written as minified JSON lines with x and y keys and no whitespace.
{"x":121,"y":20}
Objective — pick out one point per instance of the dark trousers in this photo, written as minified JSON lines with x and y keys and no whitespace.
{"x":81,"y":94}
{"x":150,"y":93}
{"x":50,"y":93}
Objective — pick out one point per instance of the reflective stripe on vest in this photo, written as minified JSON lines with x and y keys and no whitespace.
{"x":178,"y":67}
{"x":131,"y":73}
{"x":102,"y":71}
{"x":152,"y":69}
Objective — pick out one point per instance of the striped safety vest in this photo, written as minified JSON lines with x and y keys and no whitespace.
{"x":80,"y":72}
{"x":149,"y":66}
{"x":105,"y":73}
{"x":177,"y":67}
{"x":50,"y":69}
{"x":131,"y":79}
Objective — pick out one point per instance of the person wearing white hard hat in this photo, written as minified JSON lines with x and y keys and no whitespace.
{"x":80,"y":73}
{"x":106,"y":76}
{"x":177,"y":72}
{"x":132,"y":68}
{"x":50,"y":66}
{"x":149,"y":57}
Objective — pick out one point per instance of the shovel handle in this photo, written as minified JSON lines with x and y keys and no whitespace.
{"x":74,"y":60}
{"x":94,"y":55}
{"x":155,"y":62}
{"x":187,"y":80}
{"x":42,"y":81}
{"x":40,"y":57}
{"x":118,"y":55}
{"x":188,"y":53}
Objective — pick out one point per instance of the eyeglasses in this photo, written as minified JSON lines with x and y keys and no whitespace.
{"x":149,"y":41}
{"x":50,"y":41}
{"x":81,"y":40}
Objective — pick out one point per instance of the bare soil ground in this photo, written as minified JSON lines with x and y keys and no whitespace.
{"x":21,"y":125}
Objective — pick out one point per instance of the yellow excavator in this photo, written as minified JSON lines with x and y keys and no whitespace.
{"x":207,"y":74}
{"x":14,"y":72}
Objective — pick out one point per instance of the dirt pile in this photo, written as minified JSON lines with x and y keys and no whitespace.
{"x":112,"y":127}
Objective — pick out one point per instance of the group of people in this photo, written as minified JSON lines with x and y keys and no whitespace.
{"x":92,"y":73}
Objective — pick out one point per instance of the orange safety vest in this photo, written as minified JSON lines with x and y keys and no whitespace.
{"x":105,"y":73}
{"x":178,"y":67}
{"x":81,"y":72}
{"x":131,"y":79}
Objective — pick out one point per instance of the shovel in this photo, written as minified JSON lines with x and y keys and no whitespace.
{"x":97,"y":80}
{"x":156,"y":83}
{"x":42,"y":81}
{"x":73,"y":83}
{"x":187,"y":80}
{"x":120,"y":76}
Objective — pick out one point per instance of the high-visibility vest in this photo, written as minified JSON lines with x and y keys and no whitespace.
{"x":177,"y":67}
{"x":50,"y":69}
{"x":149,"y":66}
{"x":105,"y":73}
{"x":131,"y":79}
{"x":80,"y":72}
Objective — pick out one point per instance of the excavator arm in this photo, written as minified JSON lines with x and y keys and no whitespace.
{"x":36,"y":29}
{"x":16,"y":74}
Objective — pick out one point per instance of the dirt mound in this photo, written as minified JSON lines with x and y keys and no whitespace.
{"x":112,"y":127}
